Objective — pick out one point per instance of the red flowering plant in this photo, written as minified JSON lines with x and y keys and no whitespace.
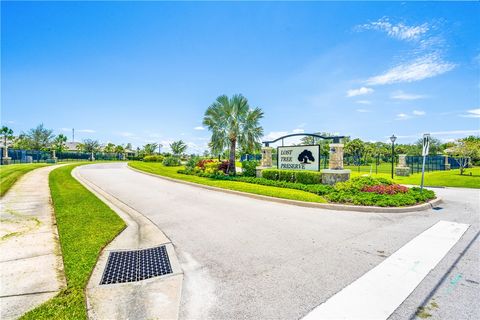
{"x":201,"y":164}
{"x":386,"y":189}
{"x":223,"y":166}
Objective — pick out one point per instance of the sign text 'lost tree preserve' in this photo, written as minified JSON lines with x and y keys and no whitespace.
{"x":299,"y":158}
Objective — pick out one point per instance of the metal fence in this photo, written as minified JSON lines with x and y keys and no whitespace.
{"x":432,"y":163}
{"x":35,"y":156}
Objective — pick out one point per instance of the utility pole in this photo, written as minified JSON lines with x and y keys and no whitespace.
{"x":73,"y":134}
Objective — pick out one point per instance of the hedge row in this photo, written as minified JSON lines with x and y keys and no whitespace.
{"x":305,"y":177}
{"x":319,"y":189}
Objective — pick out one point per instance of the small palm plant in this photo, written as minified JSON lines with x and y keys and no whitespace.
{"x":59,"y":142}
{"x":7,"y":134}
{"x":233,"y":123}
{"x":178,"y":147}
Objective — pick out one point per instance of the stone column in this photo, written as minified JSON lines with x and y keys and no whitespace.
{"x":92,"y":157}
{"x":447,"y":164}
{"x":402,"y":169}
{"x":5,"y":158}
{"x":266,"y":157}
{"x":335,"y":172}
{"x":266,"y":161}
{"x":54,"y":156}
{"x":336,"y":156}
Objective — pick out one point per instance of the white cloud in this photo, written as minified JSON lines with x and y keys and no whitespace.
{"x":405,"y":116}
{"x":364,"y":102}
{"x":363,"y":110}
{"x":400,"y":95}
{"x":473,"y":113}
{"x":419,"y":112}
{"x":425,"y":67}
{"x":398,"y":31}
{"x":154,"y":135}
{"x":359,"y":91}
{"x":126,"y":134}
{"x":402,"y":116}
{"x":298,"y":130}
{"x":199,"y":128}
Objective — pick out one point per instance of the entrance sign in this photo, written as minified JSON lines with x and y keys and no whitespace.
{"x":299,"y":158}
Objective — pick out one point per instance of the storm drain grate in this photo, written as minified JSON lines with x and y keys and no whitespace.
{"x":130,"y":266}
{"x":437,"y":208}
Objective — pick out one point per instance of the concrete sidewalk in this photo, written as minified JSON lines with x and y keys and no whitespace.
{"x":31,"y":266}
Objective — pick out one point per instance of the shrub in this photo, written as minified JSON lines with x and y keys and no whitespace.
{"x":357,"y":184}
{"x":270,"y":174}
{"x":154,"y":158}
{"x":171,"y":162}
{"x":286,"y":175}
{"x":191,"y":163}
{"x":249,"y":168}
{"x":308,"y":177}
{"x":304,"y":177}
{"x":211,"y":167}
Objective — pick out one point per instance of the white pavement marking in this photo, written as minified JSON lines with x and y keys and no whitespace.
{"x":380,"y":291}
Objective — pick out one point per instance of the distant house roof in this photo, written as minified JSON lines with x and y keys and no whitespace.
{"x":71,"y":146}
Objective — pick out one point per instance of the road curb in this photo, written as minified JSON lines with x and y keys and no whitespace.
{"x":330,"y":206}
{"x":115,"y":300}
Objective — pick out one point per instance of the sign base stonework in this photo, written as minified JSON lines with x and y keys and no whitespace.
{"x":6,"y":160}
{"x":332,"y":176}
{"x":402,"y":171}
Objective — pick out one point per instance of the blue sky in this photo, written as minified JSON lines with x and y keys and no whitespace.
{"x":146,"y":72}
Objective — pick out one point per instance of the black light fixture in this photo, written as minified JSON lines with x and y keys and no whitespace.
{"x":393,"y":138}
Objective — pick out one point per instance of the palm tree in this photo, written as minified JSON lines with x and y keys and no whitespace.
{"x":91,"y":146}
{"x":59,"y":142}
{"x":233,"y":123}
{"x":178,"y":147}
{"x":150,"y":148}
{"x":120,"y":151}
{"x":7,"y":134}
{"x":109,"y":148}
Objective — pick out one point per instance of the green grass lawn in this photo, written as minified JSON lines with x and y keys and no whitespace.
{"x":450,"y":178}
{"x":9,"y":174}
{"x":85,"y":226}
{"x":171,"y":172}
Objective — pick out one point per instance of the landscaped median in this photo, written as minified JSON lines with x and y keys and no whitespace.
{"x":297,"y":185}
{"x":271,"y":191}
{"x":85,"y":226}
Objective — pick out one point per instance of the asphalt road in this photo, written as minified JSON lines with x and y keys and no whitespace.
{"x":253,"y":259}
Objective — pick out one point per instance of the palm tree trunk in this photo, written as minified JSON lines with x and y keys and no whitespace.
{"x":231,"y":164}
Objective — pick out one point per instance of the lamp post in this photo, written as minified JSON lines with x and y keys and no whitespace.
{"x":393,"y":138}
